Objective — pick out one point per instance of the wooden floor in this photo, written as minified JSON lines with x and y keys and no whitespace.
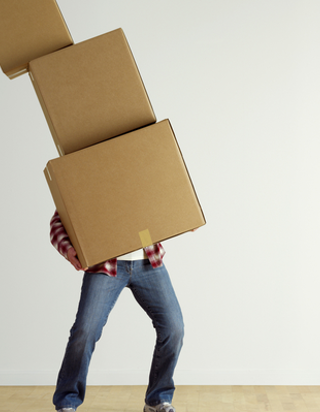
{"x":186,"y":399}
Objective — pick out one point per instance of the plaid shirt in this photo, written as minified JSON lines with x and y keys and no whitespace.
{"x":60,"y":240}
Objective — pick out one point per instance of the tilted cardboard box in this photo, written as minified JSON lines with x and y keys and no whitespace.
{"x":29,"y":29}
{"x":114,"y":196}
{"x":91,"y":91}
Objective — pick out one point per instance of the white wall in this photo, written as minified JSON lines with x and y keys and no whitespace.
{"x":239,"y":80}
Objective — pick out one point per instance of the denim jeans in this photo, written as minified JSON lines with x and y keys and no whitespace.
{"x":153,"y":291}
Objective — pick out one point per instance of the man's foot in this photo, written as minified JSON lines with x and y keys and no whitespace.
{"x":162,"y":407}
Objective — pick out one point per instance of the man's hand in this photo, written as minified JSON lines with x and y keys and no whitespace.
{"x":72,"y":257}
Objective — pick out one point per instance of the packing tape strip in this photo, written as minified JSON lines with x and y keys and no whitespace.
{"x":48,"y":173}
{"x":16,"y":74}
{"x":145,"y":238}
{"x":59,"y":150}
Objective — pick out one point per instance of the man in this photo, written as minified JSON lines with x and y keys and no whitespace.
{"x":144,"y":273}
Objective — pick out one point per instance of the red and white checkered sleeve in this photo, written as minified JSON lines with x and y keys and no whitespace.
{"x":58,"y":236}
{"x":155,"y":254}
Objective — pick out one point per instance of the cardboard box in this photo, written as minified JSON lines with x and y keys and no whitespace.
{"x":29,"y":29}
{"x":124,"y":194}
{"x":91,"y":91}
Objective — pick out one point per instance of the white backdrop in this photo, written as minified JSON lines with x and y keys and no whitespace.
{"x":239,"y":80}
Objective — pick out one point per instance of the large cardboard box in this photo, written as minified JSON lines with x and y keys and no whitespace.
{"x":29,"y":29}
{"x":125,"y":193}
{"x":91,"y":91}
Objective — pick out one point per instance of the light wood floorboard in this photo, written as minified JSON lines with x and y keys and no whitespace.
{"x":186,"y":399}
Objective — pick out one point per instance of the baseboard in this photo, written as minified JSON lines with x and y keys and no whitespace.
{"x":182,"y":377}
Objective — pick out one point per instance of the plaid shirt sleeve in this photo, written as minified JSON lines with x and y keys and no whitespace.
{"x":58,"y":236}
{"x":155,"y":254}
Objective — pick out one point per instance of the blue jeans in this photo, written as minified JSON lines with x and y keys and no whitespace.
{"x":153,"y":291}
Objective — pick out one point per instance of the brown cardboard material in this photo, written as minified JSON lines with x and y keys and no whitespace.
{"x":29,"y":29}
{"x":91,"y":91}
{"x":125,"y":193}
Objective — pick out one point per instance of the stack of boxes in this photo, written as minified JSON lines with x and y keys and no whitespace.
{"x":120,"y":182}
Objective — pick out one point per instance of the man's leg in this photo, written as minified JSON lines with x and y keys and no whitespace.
{"x":153,"y":290}
{"x":98,"y":295}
